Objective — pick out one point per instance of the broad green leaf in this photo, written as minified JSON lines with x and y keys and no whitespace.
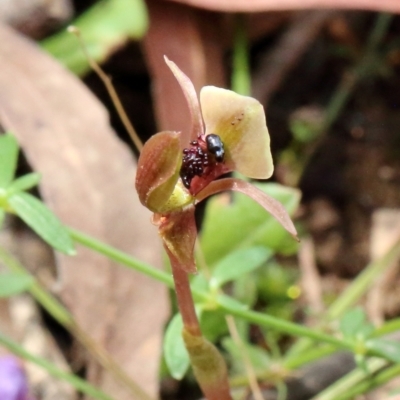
{"x":8,"y":159}
{"x":353,"y":324}
{"x":243,"y":224}
{"x":35,"y":214}
{"x":387,"y":348}
{"x":12,"y":283}
{"x":238,"y":263}
{"x":175,"y":353}
{"x":25,"y":182}
{"x":199,"y":283}
{"x":104,"y":27}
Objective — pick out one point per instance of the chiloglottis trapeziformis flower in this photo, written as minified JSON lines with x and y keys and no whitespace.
{"x":178,"y":170}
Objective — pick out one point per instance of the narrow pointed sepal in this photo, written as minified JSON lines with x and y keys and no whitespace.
{"x":274,"y":207}
{"x":191,"y":97}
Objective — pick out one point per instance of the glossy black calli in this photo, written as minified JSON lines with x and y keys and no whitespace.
{"x":215,"y":146}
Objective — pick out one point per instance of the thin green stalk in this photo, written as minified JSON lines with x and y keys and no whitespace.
{"x":59,"y":313}
{"x":281,"y":325}
{"x":64,"y":318}
{"x":387,"y":328}
{"x":241,"y":80}
{"x":309,"y":356}
{"x":363,"y":282}
{"x":121,"y":257}
{"x":73,"y":380}
{"x":370,"y":383}
{"x":352,"y":294}
{"x":380,"y":29}
{"x":365,"y":66}
{"x":223,"y":302}
{"x":360,"y":71}
{"x":360,"y":381}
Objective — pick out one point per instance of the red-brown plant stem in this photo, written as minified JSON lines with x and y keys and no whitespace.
{"x":184,"y":298}
{"x":208,"y":364}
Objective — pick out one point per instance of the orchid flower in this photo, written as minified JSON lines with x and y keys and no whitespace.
{"x":178,"y":170}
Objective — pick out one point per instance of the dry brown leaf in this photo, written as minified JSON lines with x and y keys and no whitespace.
{"x":190,"y":38}
{"x":278,"y":5}
{"x":35,"y":18}
{"x":88,"y":177}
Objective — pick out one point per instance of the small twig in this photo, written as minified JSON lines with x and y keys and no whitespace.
{"x":255,"y":388}
{"x":110,"y":89}
{"x":349,"y":81}
{"x":310,"y":279}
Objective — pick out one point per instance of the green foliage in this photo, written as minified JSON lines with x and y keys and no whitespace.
{"x":238,"y":263}
{"x":8,"y":159}
{"x":32,"y":211}
{"x":175,"y":353}
{"x":2,"y":215}
{"x":258,"y":357}
{"x":274,"y":282}
{"x":243,"y":224}
{"x":25,"y":182}
{"x":14,"y":283}
{"x":353,"y":325}
{"x":107,"y":25}
{"x":35,"y":214}
{"x":386,"y":348}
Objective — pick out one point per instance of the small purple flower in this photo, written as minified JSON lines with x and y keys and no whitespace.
{"x":13,"y":382}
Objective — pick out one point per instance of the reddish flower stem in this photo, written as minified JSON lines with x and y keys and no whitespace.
{"x":184,"y":297}
{"x":208,"y":364}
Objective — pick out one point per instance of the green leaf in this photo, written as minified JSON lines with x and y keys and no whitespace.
{"x":244,"y":224}
{"x":35,"y":214}
{"x":389,"y":349}
{"x":175,"y":353}
{"x":213,"y":324}
{"x":354,"y":325}
{"x":104,"y":27}
{"x":199,"y":282}
{"x":8,"y":159}
{"x":2,"y":215}
{"x":13,"y":283}
{"x":238,"y":263}
{"x":25,"y":182}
